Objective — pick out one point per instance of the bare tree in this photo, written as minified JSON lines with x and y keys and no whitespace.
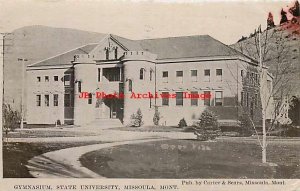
{"x":271,"y":50}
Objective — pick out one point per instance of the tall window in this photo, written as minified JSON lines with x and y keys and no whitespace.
{"x":46,"y":78}
{"x":142,"y":74}
{"x":179,"y":76}
{"x":179,"y":98}
{"x":165,"y":98}
{"x":106,"y":53}
{"x":47,"y":100}
{"x":55,"y":99}
{"x":79,"y":86}
{"x":67,"y":80}
{"x":151,"y":75}
{"x":99,"y":74}
{"x":90,"y":99}
{"x":194,"y":75}
{"x":55,"y":78}
{"x":38,"y":100}
{"x":116,"y":53}
{"x":38,"y":79}
{"x":219,"y":98}
{"x":242,"y":74}
{"x":194,"y":98}
{"x":165,"y":76}
{"x":130,"y":85}
{"x":255,"y":100}
{"x":247,"y":99}
{"x":219,"y":74}
{"x":207,"y":98}
{"x":242,"y":98}
{"x":207,"y":75}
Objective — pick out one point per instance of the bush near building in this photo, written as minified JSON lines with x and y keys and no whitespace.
{"x":207,"y":127}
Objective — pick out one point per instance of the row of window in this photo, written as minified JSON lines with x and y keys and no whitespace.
{"x":247,"y":102}
{"x":193,"y":75}
{"x":194,"y":101}
{"x":67,"y":79}
{"x":46,"y":100}
{"x":143,"y":74}
{"x":67,"y":100}
{"x":251,"y":77}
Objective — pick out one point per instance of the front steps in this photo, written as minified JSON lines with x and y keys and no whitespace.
{"x":105,"y":123}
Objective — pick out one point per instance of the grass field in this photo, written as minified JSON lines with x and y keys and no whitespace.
{"x":16,"y":155}
{"x":195,"y":159}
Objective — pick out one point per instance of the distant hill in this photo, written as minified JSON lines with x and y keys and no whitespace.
{"x":286,"y":38}
{"x":37,"y":43}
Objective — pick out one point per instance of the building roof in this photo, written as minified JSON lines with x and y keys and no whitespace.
{"x":164,"y":48}
{"x":65,"y":58}
{"x":180,"y":47}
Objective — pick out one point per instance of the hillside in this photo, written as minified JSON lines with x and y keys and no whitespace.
{"x":36,"y":43}
{"x":281,"y":53}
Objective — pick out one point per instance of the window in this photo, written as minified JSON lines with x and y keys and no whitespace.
{"x":142,"y":73}
{"x":67,"y":100}
{"x":67,"y":80}
{"x":255,"y":100}
{"x":194,"y":75}
{"x":79,"y":86}
{"x":38,"y":79}
{"x":55,"y":99}
{"x":179,"y":98}
{"x":194,"y":98}
{"x":219,"y":98}
{"x":46,"y":78}
{"x":242,"y":98}
{"x":207,"y":75}
{"x":106,"y":53}
{"x":130,"y":85}
{"x":179,"y":76}
{"x":219,"y":74}
{"x":207,"y":98}
{"x":165,"y":76}
{"x":90,"y":100}
{"x":242,"y":74}
{"x":151,"y":75}
{"x":55,"y":78}
{"x":47,"y":100}
{"x":252,"y":78}
{"x":116,"y":53}
{"x":165,"y":98}
{"x":38,"y":100}
{"x":99,"y":74}
{"x":247,"y":99}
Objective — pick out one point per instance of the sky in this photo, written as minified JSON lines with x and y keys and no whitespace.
{"x":226,"y":21}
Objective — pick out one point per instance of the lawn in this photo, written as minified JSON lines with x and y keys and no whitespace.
{"x":225,"y":158}
{"x":16,"y":155}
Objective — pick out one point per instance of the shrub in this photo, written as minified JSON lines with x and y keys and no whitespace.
{"x":11,"y":118}
{"x":156,"y":117}
{"x":245,"y":127}
{"x":182,"y":123}
{"x":207,"y":127}
{"x":137,"y":119}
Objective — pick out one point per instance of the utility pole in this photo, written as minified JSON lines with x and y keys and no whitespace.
{"x":262,"y":77}
{"x":23,"y":60}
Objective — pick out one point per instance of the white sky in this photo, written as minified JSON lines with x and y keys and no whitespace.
{"x":226,"y":21}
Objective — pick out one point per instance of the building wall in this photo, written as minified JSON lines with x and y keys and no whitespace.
{"x":45,"y":114}
{"x":229,"y":84}
{"x":133,"y":62}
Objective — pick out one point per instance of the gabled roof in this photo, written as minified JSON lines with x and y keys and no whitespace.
{"x":65,"y":58}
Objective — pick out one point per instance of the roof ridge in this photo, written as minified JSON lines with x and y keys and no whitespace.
{"x":173,"y":37}
{"x":61,"y":54}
